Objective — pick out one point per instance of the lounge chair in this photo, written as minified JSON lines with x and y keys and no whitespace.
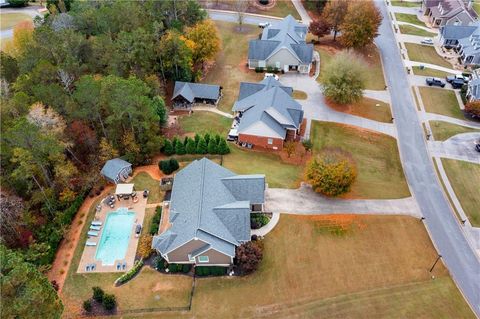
{"x":124,"y":265}
{"x":87,"y":267}
{"x":95,"y":227}
{"x":92,"y":233}
{"x":93,"y":266}
{"x":96,"y":223}
{"x":119,"y":266}
{"x":90,"y":243}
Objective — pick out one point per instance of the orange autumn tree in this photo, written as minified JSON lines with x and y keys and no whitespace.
{"x":22,"y":37}
{"x":331,"y":173}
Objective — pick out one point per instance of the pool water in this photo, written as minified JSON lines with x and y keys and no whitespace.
{"x":115,"y":237}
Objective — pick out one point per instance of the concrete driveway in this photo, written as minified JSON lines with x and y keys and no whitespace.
{"x":459,"y":147}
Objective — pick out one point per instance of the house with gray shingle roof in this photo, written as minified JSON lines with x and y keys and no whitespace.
{"x":267,"y":114}
{"x":210,"y":211}
{"x":465,"y":40}
{"x":449,"y":12}
{"x":185,"y":94}
{"x":116,"y":170}
{"x":282,"y":45}
{"x":473,"y":87}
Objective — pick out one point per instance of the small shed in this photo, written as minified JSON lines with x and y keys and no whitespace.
{"x":186,"y":94}
{"x":116,"y":170}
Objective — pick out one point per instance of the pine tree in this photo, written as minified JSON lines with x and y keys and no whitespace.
{"x":212,"y":146}
{"x":185,"y":141}
{"x":191,"y":148}
{"x":168,"y":148}
{"x":180,"y":148}
{"x":207,"y":138}
{"x":202,"y":146}
{"x":174,"y":142}
{"x":217,"y":138}
{"x":223,"y":147}
{"x":197,"y":138}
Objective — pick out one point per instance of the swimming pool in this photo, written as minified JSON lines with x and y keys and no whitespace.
{"x":115,"y":237}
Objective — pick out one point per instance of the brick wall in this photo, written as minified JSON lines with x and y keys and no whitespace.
{"x":260,"y":141}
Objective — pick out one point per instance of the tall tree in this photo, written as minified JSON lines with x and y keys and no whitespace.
{"x":176,"y":56}
{"x":361,"y":24}
{"x":319,"y":28}
{"x":206,"y":41}
{"x":22,"y":39}
{"x":334,"y":14}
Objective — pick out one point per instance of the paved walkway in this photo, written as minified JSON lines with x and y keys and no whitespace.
{"x":383,"y":96}
{"x":316,"y":57}
{"x":460,"y":147}
{"x":304,"y":201}
{"x":410,"y":63}
{"x":268,"y":227}
{"x":443,"y":118}
{"x":213,"y":110}
{"x":301,"y":10}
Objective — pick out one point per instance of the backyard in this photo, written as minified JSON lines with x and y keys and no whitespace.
{"x":425,"y":54}
{"x":409,"y":18}
{"x":366,"y":107}
{"x":230,"y":67}
{"x":465,"y":178}
{"x":202,"y":122}
{"x":410,"y":29}
{"x":443,"y":130}
{"x":441,"y":101}
{"x":429,"y":72}
{"x":380,"y":173}
{"x":144,"y":181}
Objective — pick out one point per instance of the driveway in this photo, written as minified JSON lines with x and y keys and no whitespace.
{"x":304,"y":201}
{"x":460,"y":147}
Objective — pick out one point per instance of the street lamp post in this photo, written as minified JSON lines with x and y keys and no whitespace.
{"x":436,"y":261}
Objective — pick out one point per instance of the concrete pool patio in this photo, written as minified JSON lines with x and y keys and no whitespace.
{"x":88,"y":255}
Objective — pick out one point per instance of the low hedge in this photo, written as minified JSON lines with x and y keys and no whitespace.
{"x":210,"y":271}
{"x":176,"y":268}
{"x":156,"y":221}
{"x":130,"y":274}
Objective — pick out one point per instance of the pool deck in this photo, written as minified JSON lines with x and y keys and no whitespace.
{"x":88,"y":255}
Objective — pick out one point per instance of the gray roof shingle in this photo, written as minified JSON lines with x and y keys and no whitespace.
{"x":190,"y":91}
{"x":112,"y":167}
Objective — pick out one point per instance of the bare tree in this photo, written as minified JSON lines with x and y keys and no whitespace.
{"x":11,"y":208}
{"x":241,"y":6}
{"x":67,"y":80}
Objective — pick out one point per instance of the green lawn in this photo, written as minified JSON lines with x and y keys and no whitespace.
{"x":476,"y":6}
{"x":380,"y":173}
{"x":202,"y":122}
{"x":9,"y":20}
{"x":430,"y":72}
{"x":410,"y":18}
{"x":426,"y":54}
{"x":299,"y":95}
{"x":144,"y":181}
{"x":230,"y":64}
{"x":465,"y":178}
{"x":409,"y":29}
{"x":410,"y":4}
{"x":281,"y":9}
{"x":278,"y":173}
{"x":368,"y":108}
{"x":442,"y":130}
{"x":441,"y":101}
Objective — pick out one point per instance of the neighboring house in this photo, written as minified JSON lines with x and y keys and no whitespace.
{"x":116,"y":170}
{"x":473,"y":87}
{"x":267,"y":114}
{"x":465,"y":40}
{"x":282,"y":46}
{"x":209,"y":214}
{"x":186,"y":94}
{"x":449,"y":12}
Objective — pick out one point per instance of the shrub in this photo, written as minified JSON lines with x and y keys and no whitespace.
{"x":175,"y":268}
{"x":168,"y":148}
{"x":207,"y":138}
{"x":98,"y":294}
{"x":270,"y":69}
{"x":87,"y":305}
{"x":180,"y":148}
{"x":290,"y":147}
{"x":473,"y":108}
{"x":248,"y":256}
{"x":196,"y":138}
{"x":109,"y":302}
{"x":168,"y":166}
{"x":144,"y":249}
{"x":210,"y":271}
{"x":186,"y":268}
{"x":131,"y":273}
{"x":174,"y":164}
{"x":259,"y":69}
{"x":258,"y":220}
{"x":160,"y":263}
{"x":202,"y":146}
{"x":223,"y":147}
{"x":331,"y":173}
{"x":217,"y":138}
{"x":191,"y":147}
{"x":212,"y":147}
{"x":156,"y":221}
{"x":307,"y":145}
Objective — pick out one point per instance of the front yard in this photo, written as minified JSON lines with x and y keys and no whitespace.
{"x":366,"y":107}
{"x":410,"y":29}
{"x":425,"y":54}
{"x":465,"y":178}
{"x":380,"y":173}
{"x":410,"y":18}
{"x":401,"y":3}
{"x":441,"y":101}
{"x":443,"y":130}
{"x":429,"y":72}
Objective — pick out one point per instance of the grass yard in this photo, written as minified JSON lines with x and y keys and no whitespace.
{"x":9,"y":20}
{"x":299,"y":95}
{"x":476,"y":6}
{"x":374,"y":79}
{"x":441,"y":101}
{"x":410,"y":18}
{"x":144,"y":181}
{"x":409,"y":4}
{"x":443,"y":130}
{"x":465,"y":178}
{"x":278,"y":173}
{"x":380,"y":173}
{"x":230,"y":67}
{"x":368,"y":108}
{"x":281,"y":9}
{"x":205,"y":122}
{"x":430,"y":72}
{"x":425,"y":54}
{"x":147,"y":220}
{"x":410,"y":29}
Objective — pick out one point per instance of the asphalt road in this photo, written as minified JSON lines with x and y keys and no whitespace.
{"x":444,"y":229}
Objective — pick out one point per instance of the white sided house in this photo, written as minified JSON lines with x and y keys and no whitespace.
{"x":209,"y":214}
{"x":282,"y":45}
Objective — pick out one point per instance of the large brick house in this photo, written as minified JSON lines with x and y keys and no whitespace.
{"x":266,"y":114}
{"x":210,"y":211}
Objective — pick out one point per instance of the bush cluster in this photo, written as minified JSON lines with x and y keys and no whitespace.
{"x":131,"y":273}
{"x":160,"y":263}
{"x":108,"y":301}
{"x":199,"y":145}
{"x":176,"y":268}
{"x":144,"y":249}
{"x":168,"y":166}
{"x":258,"y":220}
{"x":210,"y":271}
{"x":156,"y":221}
{"x":248,"y":256}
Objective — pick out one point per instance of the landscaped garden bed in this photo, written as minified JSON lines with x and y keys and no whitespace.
{"x":258,"y":220}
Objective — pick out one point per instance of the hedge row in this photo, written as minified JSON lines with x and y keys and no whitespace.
{"x":131,"y":273}
{"x":156,"y":221}
{"x":210,"y":271}
{"x":199,"y":145}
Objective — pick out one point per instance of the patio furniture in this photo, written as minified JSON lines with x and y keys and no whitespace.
{"x":95,"y":227}
{"x":97,"y":223}
{"x":87,"y":267}
{"x":92,"y":233}
{"x":124,"y":265}
{"x":119,"y":266}
{"x":92,"y":267}
{"x":90,"y":243}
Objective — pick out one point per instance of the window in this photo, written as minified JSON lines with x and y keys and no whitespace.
{"x":203,"y":259}
{"x":270,"y":141}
